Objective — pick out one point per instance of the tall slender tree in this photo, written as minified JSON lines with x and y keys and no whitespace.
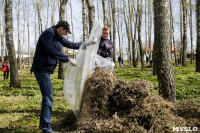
{"x":198,"y":35}
{"x":165,"y":73}
{"x":149,"y":26}
{"x":139,"y":34}
{"x":24,"y":14}
{"x":53,"y":8}
{"x":184,"y":52}
{"x":61,"y":68}
{"x":14,"y":78}
{"x":191,"y":33}
{"x":172,"y":30}
{"x":2,"y":31}
{"x":18,"y":33}
{"x":104,"y":11}
{"x":84,"y":20}
{"x":28,"y":26}
{"x":134,"y":38}
{"x":114,"y":27}
{"x":91,"y":14}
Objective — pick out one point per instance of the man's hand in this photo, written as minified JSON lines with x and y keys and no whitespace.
{"x":73,"y":61}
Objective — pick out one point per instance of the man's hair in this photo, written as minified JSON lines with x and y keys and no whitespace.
{"x":106,"y":27}
{"x":63,"y":24}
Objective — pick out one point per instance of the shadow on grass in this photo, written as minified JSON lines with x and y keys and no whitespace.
{"x":68,"y":123}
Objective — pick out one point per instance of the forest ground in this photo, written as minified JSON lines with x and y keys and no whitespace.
{"x":20,"y":108}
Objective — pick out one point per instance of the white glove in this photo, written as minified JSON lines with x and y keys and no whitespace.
{"x":92,"y":42}
{"x":73,"y":61}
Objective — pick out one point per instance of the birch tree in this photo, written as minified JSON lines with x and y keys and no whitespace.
{"x":84,"y":20}
{"x":139,"y":34}
{"x":198,"y":35}
{"x":184,"y":52}
{"x":191,"y":33}
{"x":18,"y":33}
{"x":2,"y":31}
{"x":104,"y":12}
{"x":114,"y":27}
{"x":91,"y":14}
{"x":165,"y":73}
{"x":61,"y":68}
{"x":14,"y":78}
{"x":28,"y":27}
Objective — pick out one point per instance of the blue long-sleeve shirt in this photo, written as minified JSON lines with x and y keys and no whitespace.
{"x":48,"y":51}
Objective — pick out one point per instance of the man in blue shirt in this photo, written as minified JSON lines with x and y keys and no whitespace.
{"x":47,"y":54}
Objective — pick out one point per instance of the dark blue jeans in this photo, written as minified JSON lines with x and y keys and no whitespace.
{"x":44,"y":81}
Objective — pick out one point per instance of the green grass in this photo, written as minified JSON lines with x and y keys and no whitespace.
{"x":20,"y":107}
{"x":187,"y":81}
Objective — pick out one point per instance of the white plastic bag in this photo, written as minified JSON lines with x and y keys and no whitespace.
{"x":87,"y":59}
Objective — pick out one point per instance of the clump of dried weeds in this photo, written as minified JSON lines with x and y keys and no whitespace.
{"x":110,"y":105}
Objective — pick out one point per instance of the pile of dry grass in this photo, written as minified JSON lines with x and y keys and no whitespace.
{"x":110,"y":105}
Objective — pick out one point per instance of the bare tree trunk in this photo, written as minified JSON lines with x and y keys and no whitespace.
{"x":146,"y":42}
{"x":47,"y":15}
{"x":114,"y":28}
{"x":184,"y":55}
{"x":39,"y":17}
{"x":104,"y":12}
{"x":122,"y":55}
{"x":191,"y":34}
{"x":18,"y":31}
{"x":98,"y":9}
{"x":84,"y":20}
{"x":139,"y":34}
{"x":134,"y":40}
{"x":109,"y":17}
{"x":118,"y":26}
{"x":14,"y":78}
{"x":2,"y":31}
{"x":72,"y":27}
{"x":24,"y":10}
{"x":91,"y":14}
{"x":172,"y":26}
{"x":29,"y":61}
{"x":52,"y":11}
{"x":198,"y":36}
{"x":128,"y":32}
{"x":181,"y":31}
{"x":165,"y":72}
{"x":61,"y":68}
{"x":150,"y":26}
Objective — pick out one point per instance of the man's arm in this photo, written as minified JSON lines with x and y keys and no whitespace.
{"x":69,"y":44}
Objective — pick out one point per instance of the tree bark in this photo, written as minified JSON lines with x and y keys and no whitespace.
{"x":165,"y":73}
{"x":14,"y":78}
{"x":139,"y":34}
{"x":18,"y":31}
{"x":91,"y":14}
{"x":173,"y":39}
{"x":28,"y":15}
{"x":191,"y":33}
{"x":184,"y":53}
{"x":2,"y":31}
{"x":105,"y":19}
{"x":150,"y":26}
{"x":198,"y":36}
{"x":114,"y":27}
{"x":84,"y":20}
{"x":52,"y":11}
{"x":61,"y":68}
